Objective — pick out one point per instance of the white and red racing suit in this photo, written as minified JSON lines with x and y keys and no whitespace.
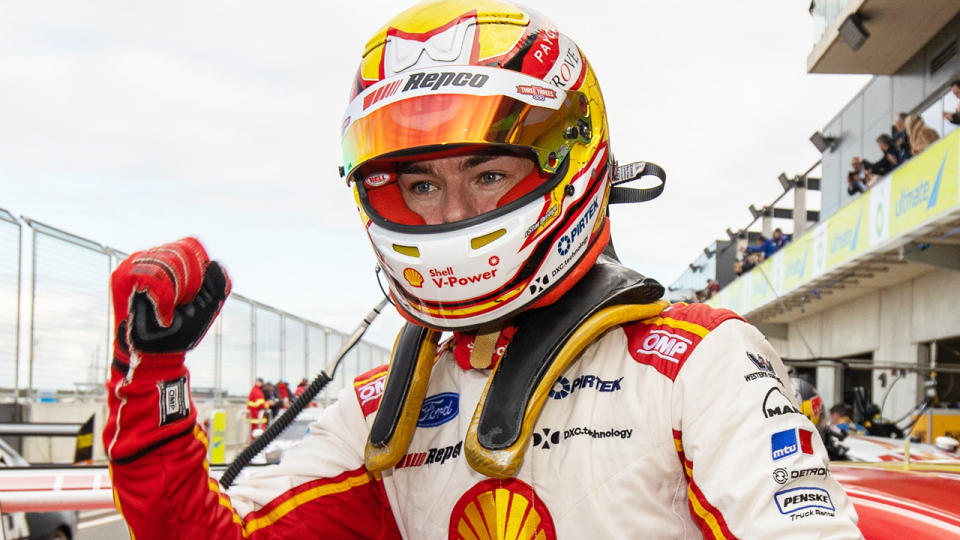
{"x":680,"y":426}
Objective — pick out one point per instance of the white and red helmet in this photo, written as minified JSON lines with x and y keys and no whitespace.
{"x":448,"y":77}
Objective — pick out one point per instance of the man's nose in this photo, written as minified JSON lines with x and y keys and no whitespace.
{"x":456,"y":207}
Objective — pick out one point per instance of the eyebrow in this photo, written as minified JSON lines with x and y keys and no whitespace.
{"x":422,"y":168}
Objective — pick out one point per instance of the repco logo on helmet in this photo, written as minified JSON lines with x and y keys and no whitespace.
{"x":435,"y":81}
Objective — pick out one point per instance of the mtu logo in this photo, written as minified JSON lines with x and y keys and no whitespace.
{"x":439,"y":409}
{"x":789,"y":442}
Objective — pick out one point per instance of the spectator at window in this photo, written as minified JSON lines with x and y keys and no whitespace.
{"x":712,"y":288}
{"x":891,"y":157}
{"x":779,"y":239}
{"x":764,"y":247}
{"x":860,"y":168}
{"x":899,"y":133}
{"x":855,"y":184}
{"x":920,"y":135}
{"x":954,"y":117}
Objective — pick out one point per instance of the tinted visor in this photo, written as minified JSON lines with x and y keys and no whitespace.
{"x":414,"y":111}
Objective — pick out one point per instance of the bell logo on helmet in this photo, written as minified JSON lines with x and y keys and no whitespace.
{"x":378,"y":179}
{"x":414,"y":278}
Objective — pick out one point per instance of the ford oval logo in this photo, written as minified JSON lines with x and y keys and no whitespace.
{"x":439,"y":409}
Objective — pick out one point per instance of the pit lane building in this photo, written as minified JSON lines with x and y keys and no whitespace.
{"x":868,"y":292}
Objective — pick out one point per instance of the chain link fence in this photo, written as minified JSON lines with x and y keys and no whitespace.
{"x":60,"y":343}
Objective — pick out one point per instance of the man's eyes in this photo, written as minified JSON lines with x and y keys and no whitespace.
{"x":491,"y":177}
{"x":421,"y":188}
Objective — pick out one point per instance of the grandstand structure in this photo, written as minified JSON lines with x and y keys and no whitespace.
{"x":868,"y":292}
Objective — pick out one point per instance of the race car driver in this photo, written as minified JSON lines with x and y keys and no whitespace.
{"x":569,"y":402}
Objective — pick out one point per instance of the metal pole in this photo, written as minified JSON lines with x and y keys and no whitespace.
{"x":16,"y":345}
{"x":253,"y":344}
{"x":283,"y":348}
{"x":108,"y":349}
{"x":306,"y":349}
{"x":218,"y":360}
{"x":33,"y":314}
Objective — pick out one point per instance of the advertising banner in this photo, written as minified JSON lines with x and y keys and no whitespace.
{"x":925,"y":186}
{"x":847,"y":233}
{"x":797,"y":262}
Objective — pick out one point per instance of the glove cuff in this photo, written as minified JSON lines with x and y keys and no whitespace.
{"x":149,"y":406}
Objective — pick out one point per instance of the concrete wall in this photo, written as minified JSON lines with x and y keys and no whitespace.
{"x":60,"y":449}
{"x":894,"y":324}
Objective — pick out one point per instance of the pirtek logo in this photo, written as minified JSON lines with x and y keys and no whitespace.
{"x":385,"y":91}
{"x":664,"y":344}
{"x":563,"y":387}
{"x":435,"y":81}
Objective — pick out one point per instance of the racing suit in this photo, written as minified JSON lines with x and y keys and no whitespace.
{"x":256,"y":404}
{"x":679,"y":426}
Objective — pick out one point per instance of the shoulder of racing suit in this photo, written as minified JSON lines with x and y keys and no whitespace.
{"x":369,"y":388}
{"x":666,"y":341}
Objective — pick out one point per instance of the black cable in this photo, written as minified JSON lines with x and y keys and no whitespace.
{"x":298,"y":404}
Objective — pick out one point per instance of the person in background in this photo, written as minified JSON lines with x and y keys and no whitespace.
{"x":855,"y":184}
{"x":840,"y":420}
{"x":954,"y":117}
{"x":273,"y":401}
{"x":763,"y":247}
{"x":283,"y":394}
{"x":891,"y":156}
{"x":256,"y":404}
{"x":300,"y":387}
{"x":899,"y":135}
{"x":780,"y":239}
{"x":920,"y":134}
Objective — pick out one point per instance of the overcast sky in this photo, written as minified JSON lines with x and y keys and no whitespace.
{"x":134,"y":124}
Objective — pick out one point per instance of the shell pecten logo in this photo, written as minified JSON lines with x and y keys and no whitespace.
{"x":414,"y":278}
{"x":501,"y":510}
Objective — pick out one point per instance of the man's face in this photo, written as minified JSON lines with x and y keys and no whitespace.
{"x":777,"y":235}
{"x":449,"y":189}
{"x":855,"y":164}
{"x":898,"y":123}
{"x":956,"y":90}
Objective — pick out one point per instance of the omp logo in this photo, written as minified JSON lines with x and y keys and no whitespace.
{"x":665,"y":345}
{"x":563,"y":387}
{"x":370,"y":391}
{"x":922,"y":192}
{"x":384,"y":91}
{"x":436,"y":80}
{"x":788,"y":442}
{"x":538,"y":93}
{"x":775,"y":403}
{"x":796,"y":499}
{"x":434,"y":455}
{"x":439,"y":409}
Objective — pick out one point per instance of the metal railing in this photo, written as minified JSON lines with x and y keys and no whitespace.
{"x":60,"y":342}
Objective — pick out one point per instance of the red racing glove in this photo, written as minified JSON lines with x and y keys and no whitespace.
{"x":164,"y":301}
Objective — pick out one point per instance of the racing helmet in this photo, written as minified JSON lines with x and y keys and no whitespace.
{"x":462,"y":77}
{"x":811,"y":405}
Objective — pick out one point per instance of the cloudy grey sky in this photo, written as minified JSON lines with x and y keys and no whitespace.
{"x":136,"y":123}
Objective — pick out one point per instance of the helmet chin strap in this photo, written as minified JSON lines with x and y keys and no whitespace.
{"x":481,"y":356}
